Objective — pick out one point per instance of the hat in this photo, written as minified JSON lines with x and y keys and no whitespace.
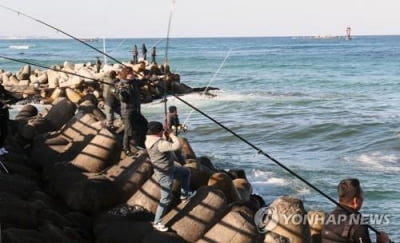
{"x":172,"y":108}
{"x":154,"y":127}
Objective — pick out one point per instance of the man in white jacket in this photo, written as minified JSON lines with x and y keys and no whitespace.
{"x":159,"y":149}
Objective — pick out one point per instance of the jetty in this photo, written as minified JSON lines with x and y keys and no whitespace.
{"x":75,"y":80}
{"x":66,"y":179}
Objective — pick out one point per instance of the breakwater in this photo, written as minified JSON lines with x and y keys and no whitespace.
{"x":67,"y":180}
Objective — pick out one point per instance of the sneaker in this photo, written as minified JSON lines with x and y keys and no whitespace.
{"x":187,"y":196}
{"x":160,"y":227}
{"x":3,"y":150}
{"x":128,"y":153}
{"x":1,"y":153}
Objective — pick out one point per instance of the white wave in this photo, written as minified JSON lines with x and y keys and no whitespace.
{"x":20,"y":47}
{"x":266,"y":178}
{"x":300,"y":191}
{"x":377,"y":161}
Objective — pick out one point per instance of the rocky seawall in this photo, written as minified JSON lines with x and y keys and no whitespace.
{"x":76,"y":80}
{"x":66,"y":179}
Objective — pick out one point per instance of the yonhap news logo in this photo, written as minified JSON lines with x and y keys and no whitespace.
{"x":267,"y":218}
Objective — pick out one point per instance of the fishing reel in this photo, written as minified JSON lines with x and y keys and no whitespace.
{"x":179,"y":128}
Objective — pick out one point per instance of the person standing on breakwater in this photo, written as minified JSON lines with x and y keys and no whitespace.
{"x":159,"y":149}
{"x":134,"y":54}
{"x":111,"y":103}
{"x":134,"y":122}
{"x":144,"y":52}
{"x":153,"y":55}
{"x":343,"y":226}
{"x":98,"y":64}
{"x":4,"y":117}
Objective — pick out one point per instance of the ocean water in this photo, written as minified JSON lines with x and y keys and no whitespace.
{"x":326,"y":108}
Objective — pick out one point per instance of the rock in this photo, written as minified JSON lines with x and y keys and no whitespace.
{"x":236,"y":226}
{"x":289,"y":219}
{"x":16,"y":235}
{"x":223,"y":182}
{"x":130,"y":173}
{"x":148,"y":196}
{"x":190,"y":220}
{"x":99,"y":153}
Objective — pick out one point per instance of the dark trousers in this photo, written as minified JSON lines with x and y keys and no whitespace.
{"x":135,"y":128}
{"x":3,"y":129}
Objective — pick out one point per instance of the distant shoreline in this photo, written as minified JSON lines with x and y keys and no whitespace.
{"x":205,"y":37}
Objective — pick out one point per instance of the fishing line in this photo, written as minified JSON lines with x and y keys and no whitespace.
{"x":180,"y":99}
{"x":117,"y":47}
{"x":4,"y":168}
{"x":209,"y":83}
{"x":51,"y":68}
{"x":259,"y":151}
{"x":171,"y":11}
{"x":59,"y":30}
{"x":155,"y":44}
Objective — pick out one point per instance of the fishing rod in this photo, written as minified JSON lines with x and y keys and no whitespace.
{"x":193,"y":107}
{"x":4,"y":168}
{"x":54,"y":69}
{"x":209,"y":83}
{"x":259,"y":151}
{"x":59,"y":30}
{"x":166,"y":63}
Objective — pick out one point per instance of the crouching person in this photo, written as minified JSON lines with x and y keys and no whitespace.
{"x":160,"y":151}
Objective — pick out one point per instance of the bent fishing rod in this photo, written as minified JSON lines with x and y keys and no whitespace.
{"x":198,"y":110}
{"x":209,"y":83}
{"x":172,"y":7}
{"x":259,"y":151}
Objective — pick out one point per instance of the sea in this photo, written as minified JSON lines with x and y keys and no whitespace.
{"x":326,"y":108}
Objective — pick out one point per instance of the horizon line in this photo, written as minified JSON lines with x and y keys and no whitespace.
{"x":191,"y":37}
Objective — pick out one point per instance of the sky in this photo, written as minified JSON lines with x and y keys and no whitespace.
{"x":200,"y":18}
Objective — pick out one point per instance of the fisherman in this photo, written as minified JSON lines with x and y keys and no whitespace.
{"x":134,"y":122}
{"x":159,"y":149}
{"x":4,"y":117}
{"x":153,"y":55}
{"x":111,"y":103}
{"x":134,"y":54}
{"x":144,"y":52}
{"x":173,"y":121}
{"x":346,"y":224}
{"x":98,"y":64}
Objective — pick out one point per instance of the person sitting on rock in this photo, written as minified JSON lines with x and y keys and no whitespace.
{"x":345,"y":223}
{"x":173,"y":120}
{"x":159,"y":149}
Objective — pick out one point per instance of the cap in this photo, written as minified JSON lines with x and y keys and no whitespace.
{"x":154,"y":127}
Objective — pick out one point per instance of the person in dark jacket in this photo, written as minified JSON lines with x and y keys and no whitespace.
{"x":4,"y":117}
{"x":153,"y":55}
{"x":134,"y":54}
{"x":134,"y":122}
{"x":98,"y":64}
{"x":345,"y":224}
{"x":144,"y":52}
{"x":111,"y":102}
{"x":173,"y":120}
